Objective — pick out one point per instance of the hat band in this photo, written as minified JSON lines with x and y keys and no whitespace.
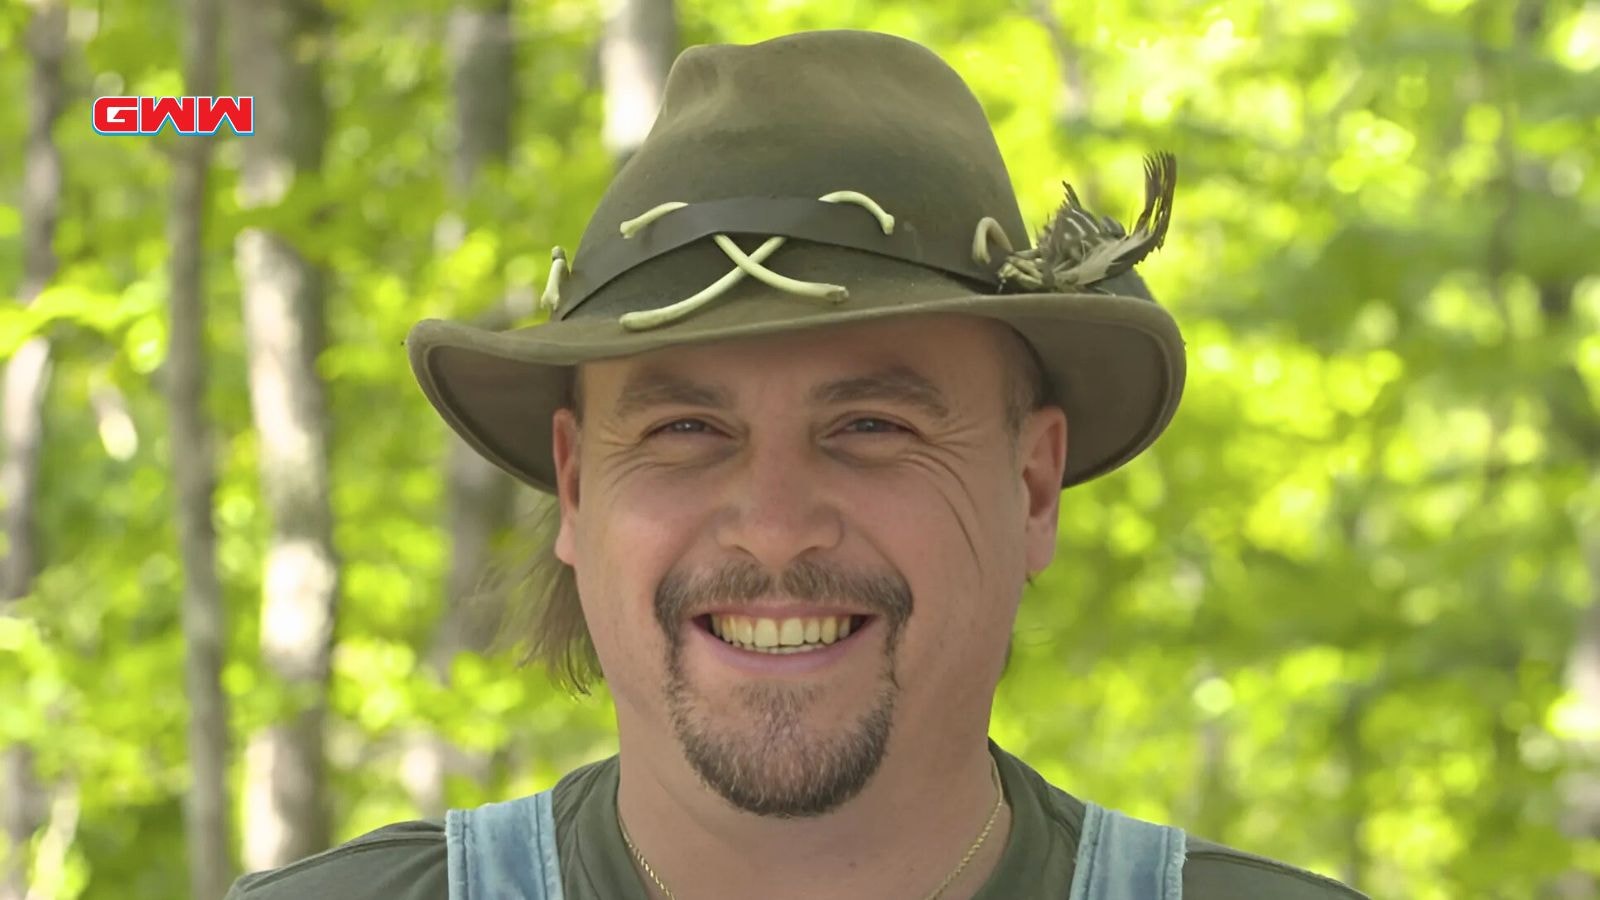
{"x":793,"y":217}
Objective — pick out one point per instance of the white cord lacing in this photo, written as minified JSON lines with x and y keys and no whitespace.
{"x":744,"y":264}
{"x":988,"y":231}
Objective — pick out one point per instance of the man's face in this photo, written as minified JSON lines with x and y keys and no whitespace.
{"x":798,"y":554}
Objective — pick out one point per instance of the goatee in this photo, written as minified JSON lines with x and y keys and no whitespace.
{"x":776,"y":765}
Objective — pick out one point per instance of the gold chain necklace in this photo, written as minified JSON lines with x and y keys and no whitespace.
{"x":999,"y":801}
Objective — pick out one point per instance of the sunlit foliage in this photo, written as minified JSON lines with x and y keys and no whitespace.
{"x":1326,"y":619}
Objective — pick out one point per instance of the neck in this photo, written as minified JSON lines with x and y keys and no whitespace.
{"x":898,"y":839}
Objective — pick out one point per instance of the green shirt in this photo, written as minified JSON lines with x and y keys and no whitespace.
{"x":407,"y":861}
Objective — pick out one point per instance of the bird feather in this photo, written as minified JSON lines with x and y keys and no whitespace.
{"x":1077,"y":249}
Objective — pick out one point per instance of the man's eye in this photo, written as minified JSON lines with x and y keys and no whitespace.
{"x":682,"y":426}
{"x":873,"y":426}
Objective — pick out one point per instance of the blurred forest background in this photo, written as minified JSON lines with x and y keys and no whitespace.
{"x":1347,"y":613}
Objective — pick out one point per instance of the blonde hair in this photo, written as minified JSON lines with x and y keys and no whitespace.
{"x":541,"y":618}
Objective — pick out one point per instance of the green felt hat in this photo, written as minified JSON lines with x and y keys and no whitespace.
{"x":815,"y":180}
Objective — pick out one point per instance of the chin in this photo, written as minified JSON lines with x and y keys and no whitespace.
{"x":780,"y":751}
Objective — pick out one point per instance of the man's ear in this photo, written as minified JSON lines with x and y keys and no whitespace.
{"x":1043,"y":451}
{"x":564,"y":445}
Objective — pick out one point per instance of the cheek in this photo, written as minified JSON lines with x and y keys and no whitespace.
{"x":971,"y":514}
{"x":628,"y":538}
{"x":948,"y":540}
{"x":958,"y":543}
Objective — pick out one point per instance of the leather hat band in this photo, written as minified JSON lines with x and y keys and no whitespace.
{"x":794,"y":217}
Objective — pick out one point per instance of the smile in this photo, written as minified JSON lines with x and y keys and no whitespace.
{"x":803,"y":634}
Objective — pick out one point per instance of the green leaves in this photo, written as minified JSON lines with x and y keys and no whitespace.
{"x":1327,"y":618}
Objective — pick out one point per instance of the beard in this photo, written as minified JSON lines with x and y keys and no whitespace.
{"x":772,"y":763}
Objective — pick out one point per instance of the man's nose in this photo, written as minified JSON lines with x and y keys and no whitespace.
{"x":777,"y":507}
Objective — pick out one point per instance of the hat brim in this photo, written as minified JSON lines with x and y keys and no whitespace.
{"x":1115,"y":364}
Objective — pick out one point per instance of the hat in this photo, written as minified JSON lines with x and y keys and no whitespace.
{"x":815,"y":180}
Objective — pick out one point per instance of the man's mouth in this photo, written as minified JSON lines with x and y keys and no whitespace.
{"x":787,"y":635}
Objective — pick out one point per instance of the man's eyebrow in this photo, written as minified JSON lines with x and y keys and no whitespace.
{"x":649,"y":388}
{"x":899,"y":384}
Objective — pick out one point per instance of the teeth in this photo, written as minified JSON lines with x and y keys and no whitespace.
{"x":766,"y":633}
{"x":781,"y":635}
{"x":792,"y":633}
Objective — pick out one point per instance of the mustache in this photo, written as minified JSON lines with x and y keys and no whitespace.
{"x":681,"y":594}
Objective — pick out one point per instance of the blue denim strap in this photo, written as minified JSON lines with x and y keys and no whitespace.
{"x":503,"y":851}
{"x":1121,"y":858}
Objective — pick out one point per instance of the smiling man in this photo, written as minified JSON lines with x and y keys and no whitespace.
{"x":807,"y":414}
{"x":800,"y":556}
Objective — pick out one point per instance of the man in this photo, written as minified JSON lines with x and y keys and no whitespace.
{"x":807,"y":414}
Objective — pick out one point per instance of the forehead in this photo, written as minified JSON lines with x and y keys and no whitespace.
{"x":955,"y":355}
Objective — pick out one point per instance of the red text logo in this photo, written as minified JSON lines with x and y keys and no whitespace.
{"x":188,"y":115}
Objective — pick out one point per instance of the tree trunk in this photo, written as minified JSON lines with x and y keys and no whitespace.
{"x":483,"y":65}
{"x":1073,"y":94}
{"x":478,"y":495}
{"x":483,"y":75}
{"x":208,"y":821}
{"x":1073,"y":101}
{"x":637,"y":49}
{"x":1581,"y":786}
{"x":1575,"y":420}
{"x":1357,"y":765}
{"x":277,"y":50}
{"x":23,"y":800}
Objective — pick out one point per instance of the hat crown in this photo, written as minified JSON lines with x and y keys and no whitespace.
{"x":809,"y":114}
{"x":801,"y":148}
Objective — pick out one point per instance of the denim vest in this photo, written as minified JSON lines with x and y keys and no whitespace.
{"x":507,"y":851}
